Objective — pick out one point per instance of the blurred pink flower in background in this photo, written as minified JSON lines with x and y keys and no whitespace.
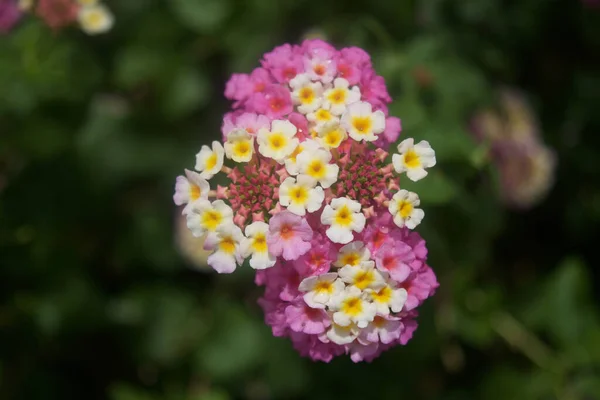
{"x":10,"y":14}
{"x":525,"y":164}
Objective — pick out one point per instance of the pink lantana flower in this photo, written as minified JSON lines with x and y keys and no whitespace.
{"x":302,"y":318}
{"x":395,"y":259}
{"x":274,"y":101}
{"x":289,"y":235}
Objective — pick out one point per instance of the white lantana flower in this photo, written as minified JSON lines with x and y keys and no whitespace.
{"x":352,"y":254}
{"x":205,"y":216}
{"x":388,"y":297}
{"x":350,"y":306}
{"x":239,"y":145}
{"x":362,"y":123}
{"x":190,"y":188}
{"x":344,"y":216}
{"x":320,"y":289}
{"x":307,"y":95}
{"x":210,"y":161}
{"x":300,"y":195}
{"x":316,"y":165}
{"x":363,"y":276}
{"x":403,"y":207}
{"x":321,"y":116}
{"x":279,"y":142}
{"x":291,"y":162}
{"x":414,"y":158}
{"x":226,"y":245}
{"x":340,"y":96}
{"x":342,"y":334}
{"x":95,"y":19}
{"x":331,"y":135}
{"x":255,"y":246}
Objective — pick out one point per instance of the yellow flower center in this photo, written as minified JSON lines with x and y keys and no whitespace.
{"x":211,"y":161}
{"x":227,"y":245}
{"x":343,"y":216}
{"x":333,"y":138}
{"x":259,"y":244}
{"x":307,"y":95}
{"x":211,"y":219}
{"x":363,"y":279}
{"x":195,"y":192}
{"x":242,"y":148}
{"x":324,"y":287}
{"x":277,"y":141}
{"x":362,"y":124}
{"x":295,"y":153}
{"x":405,"y":208}
{"x":94,"y":19}
{"x":411,"y":159}
{"x":316,"y":169}
{"x":350,"y":259}
{"x":323,"y":115}
{"x":337,"y":96}
{"x":352,"y":306}
{"x":383,"y":296}
{"x":299,"y":195}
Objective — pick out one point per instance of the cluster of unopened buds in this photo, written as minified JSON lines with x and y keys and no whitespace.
{"x":314,"y":204}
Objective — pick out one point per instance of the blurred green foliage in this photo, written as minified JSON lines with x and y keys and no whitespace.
{"x":96,"y":301}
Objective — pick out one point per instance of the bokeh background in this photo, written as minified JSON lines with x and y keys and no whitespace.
{"x":104,"y":296}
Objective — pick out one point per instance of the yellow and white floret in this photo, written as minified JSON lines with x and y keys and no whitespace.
{"x":209,"y":161}
{"x":319,"y":290}
{"x":388,"y":297}
{"x":343,"y":217}
{"x":340,"y":96}
{"x":306,"y":94}
{"x":190,"y":188}
{"x":225,"y":244}
{"x":291,"y":162}
{"x":342,"y":334}
{"x":279,"y":142}
{"x":414,"y":159}
{"x":239,"y":145}
{"x":320,"y":117}
{"x":95,"y":19}
{"x":331,"y":135}
{"x":315,"y":163}
{"x":255,"y":246}
{"x":205,"y":216}
{"x":351,"y":306}
{"x":362,"y":123}
{"x":352,"y":254}
{"x":403,"y":207}
{"x":300,"y":195}
{"x":363,"y":276}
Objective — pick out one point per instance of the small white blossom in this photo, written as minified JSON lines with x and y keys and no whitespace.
{"x":239,"y":145}
{"x":363,"y":276}
{"x":95,"y":19}
{"x":190,"y":188}
{"x":352,"y":254}
{"x":340,"y":96}
{"x":279,"y":142}
{"x":319,"y":290}
{"x":315,"y":163}
{"x":225,"y":244}
{"x":205,"y":216}
{"x":300,"y":195}
{"x":307,"y":95}
{"x":350,"y":306}
{"x":414,"y":159}
{"x":403,"y":207}
{"x":255,"y":246}
{"x":210,"y":161}
{"x":362,"y":123}
{"x":344,"y":216}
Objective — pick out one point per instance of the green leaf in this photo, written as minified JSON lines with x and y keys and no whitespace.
{"x":203,"y":16}
{"x":187,"y":91}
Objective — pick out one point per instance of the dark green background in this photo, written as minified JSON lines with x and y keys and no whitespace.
{"x":96,"y":301}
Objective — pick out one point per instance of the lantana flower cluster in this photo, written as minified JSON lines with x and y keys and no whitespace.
{"x":313,"y":202}
{"x":92,"y":16}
